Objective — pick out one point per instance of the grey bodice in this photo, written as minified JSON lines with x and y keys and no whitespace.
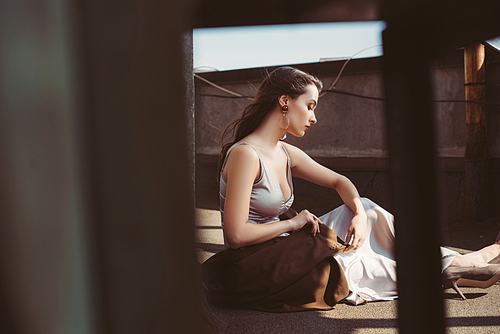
{"x":267,"y":202}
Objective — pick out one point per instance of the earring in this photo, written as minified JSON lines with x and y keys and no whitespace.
{"x":284,"y":122}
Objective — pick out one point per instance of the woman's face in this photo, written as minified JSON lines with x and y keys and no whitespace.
{"x":301,"y":111}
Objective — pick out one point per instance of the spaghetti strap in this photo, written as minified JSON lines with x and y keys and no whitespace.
{"x":286,"y":152}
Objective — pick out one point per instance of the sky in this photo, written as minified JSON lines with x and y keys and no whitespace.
{"x":246,"y":47}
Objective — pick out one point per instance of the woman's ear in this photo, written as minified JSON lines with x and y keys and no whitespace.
{"x":283,"y":99}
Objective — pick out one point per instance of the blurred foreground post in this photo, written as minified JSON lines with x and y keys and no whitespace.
{"x":96,"y":202}
{"x":414,"y":184}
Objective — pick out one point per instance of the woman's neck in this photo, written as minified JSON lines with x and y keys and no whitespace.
{"x":268,"y":133}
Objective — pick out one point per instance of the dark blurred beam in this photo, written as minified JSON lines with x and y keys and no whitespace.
{"x":416,"y":32}
{"x":138,"y":162}
{"x":443,"y":25}
{"x":222,"y":13}
{"x":413,"y":185}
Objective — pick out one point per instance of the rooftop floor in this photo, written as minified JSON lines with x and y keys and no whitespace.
{"x":480,"y":313}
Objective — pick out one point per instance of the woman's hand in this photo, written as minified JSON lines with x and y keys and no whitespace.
{"x":303,"y":218}
{"x":356,"y":233}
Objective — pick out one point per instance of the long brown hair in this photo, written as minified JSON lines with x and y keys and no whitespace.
{"x":282,"y":81}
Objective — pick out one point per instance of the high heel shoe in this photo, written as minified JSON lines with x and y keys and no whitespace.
{"x":482,"y":277}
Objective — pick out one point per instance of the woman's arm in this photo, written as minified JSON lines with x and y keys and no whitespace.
{"x":241,"y":171}
{"x":306,"y":168}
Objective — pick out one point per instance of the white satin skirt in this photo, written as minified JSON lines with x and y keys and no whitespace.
{"x":371,"y":269}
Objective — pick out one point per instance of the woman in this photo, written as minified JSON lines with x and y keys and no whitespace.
{"x":265,"y":267}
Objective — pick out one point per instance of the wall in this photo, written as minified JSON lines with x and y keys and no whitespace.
{"x":350,"y":136}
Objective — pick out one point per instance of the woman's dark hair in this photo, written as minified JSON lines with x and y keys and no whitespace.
{"x":282,"y":81}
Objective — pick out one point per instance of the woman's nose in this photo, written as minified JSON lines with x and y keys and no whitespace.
{"x":313,"y":119}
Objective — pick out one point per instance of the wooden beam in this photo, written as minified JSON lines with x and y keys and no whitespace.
{"x":475,"y":90}
{"x":476,"y":148}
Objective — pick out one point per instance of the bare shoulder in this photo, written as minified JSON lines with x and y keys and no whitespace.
{"x":245,"y":153}
{"x":242,"y":158}
{"x":295,"y":153}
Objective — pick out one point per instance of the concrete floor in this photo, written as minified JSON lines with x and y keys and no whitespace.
{"x":480,"y":313}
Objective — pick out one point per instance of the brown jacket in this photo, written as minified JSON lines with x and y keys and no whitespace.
{"x":296,"y":273}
